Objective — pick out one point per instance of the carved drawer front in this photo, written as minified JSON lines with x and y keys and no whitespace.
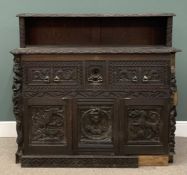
{"x":144,"y":126}
{"x":46,"y":123}
{"x":63,"y":73}
{"x":138,"y":73}
{"x":95,"y":74}
{"x":95,"y":126}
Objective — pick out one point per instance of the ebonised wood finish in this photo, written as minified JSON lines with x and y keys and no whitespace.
{"x":94,"y":90}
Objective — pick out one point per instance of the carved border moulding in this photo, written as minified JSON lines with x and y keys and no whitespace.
{"x":104,"y":94}
{"x":17,"y":105}
{"x":173,"y":114}
{"x":81,"y":161}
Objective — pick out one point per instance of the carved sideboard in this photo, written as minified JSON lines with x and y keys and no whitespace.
{"x":94,"y":90}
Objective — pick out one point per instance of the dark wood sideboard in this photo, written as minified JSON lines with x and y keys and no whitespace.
{"x":95,"y":90}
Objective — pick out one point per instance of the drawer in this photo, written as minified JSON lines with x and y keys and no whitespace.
{"x":138,"y":73}
{"x":66,"y":74}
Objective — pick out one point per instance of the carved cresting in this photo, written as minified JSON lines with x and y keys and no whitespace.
{"x":173,"y":114}
{"x":17,"y":109}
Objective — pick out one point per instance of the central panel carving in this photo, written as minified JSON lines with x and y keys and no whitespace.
{"x":48,"y":124}
{"x":95,"y":124}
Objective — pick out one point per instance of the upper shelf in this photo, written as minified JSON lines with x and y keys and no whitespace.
{"x":96,"y":29}
{"x":94,"y":15}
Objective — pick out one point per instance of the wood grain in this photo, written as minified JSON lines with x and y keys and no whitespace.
{"x":161,"y":160}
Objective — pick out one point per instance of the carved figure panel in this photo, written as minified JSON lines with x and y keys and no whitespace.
{"x":95,"y":123}
{"x":48,"y":124}
{"x":144,"y":124}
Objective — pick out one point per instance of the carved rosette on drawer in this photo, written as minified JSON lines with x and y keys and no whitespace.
{"x":138,"y":73}
{"x":96,"y":124}
{"x":143,"y":125}
{"x":47,"y":124}
{"x":95,"y":74}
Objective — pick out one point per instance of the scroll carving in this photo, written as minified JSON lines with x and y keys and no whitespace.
{"x":17,"y":105}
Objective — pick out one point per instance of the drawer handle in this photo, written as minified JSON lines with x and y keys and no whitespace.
{"x":135,"y":78}
{"x":145,"y":78}
{"x":46,"y":79}
{"x":56,"y":79}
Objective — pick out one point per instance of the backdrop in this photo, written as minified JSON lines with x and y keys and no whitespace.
{"x":9,"y":35}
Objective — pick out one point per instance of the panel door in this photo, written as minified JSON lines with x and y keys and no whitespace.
{"x":144,"y":126}
{"x":95,"y":126}
{"x":47,"y":126}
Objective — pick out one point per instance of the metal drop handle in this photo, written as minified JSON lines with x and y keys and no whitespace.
{"x":135,"y":78}
{"x":46,"y":79}
{"x":56,"y":79}
{"x":145,"y":78}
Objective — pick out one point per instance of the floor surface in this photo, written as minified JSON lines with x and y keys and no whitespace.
{"x":8,"y":166}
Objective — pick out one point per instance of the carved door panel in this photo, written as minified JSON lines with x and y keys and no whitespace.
{"x":95,"y":126}
{"x":47,"y":126}
{"x":144,"y":126}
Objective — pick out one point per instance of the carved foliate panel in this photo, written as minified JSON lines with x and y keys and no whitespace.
{"x":36,"y":75}
{"x":63,"y":73}
{"x":95,"y":74}
{"x":68,"y":74}
{"x":144,"y":124}
{"x":48,"y":124}
{"x":138,"y":73}
{"x":153,"y":75}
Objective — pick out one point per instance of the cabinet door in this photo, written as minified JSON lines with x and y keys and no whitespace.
{"x":47,"y":126}
{"x":95,"y":126}
{"x":144,"y":126}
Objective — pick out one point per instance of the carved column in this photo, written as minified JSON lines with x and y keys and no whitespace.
{"x":17,"y":105}
{"x":173,"y":114}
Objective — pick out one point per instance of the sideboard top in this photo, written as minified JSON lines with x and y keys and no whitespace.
{"x":93,"y":50}
{"x":95,"y":15}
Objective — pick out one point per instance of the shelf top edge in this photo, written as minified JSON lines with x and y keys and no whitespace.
{"x":95,"y":14}
{"x":93,"y":50}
